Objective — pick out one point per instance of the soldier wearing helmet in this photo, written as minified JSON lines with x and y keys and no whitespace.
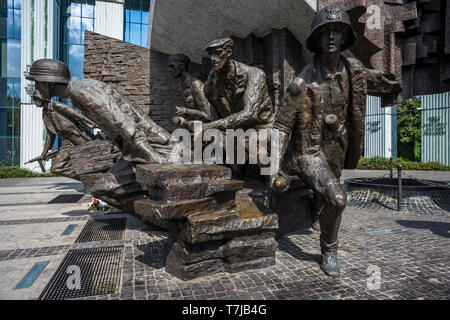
{"x":322,"y":115}
{"x":51,"y":78}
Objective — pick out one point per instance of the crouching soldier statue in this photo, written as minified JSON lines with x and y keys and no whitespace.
{"x":51,"y":78}
{"x":322,"y":113}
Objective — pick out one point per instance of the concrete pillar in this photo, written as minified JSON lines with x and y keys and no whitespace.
{"x":109,"y":18}
{"x":37,"y":43}
{"x":381,"y":130}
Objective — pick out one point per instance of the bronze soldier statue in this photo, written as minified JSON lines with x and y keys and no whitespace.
{"x":237,"y":91}
{"x":196,"y":106}
{"x":51,"y":78}
{"x":322,"y":116}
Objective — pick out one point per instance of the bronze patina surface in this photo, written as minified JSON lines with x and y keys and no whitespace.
{"x":322,"y":117}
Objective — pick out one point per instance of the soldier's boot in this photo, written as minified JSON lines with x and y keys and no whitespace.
{"x":329,"y":263}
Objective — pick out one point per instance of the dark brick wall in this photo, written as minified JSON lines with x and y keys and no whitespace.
{"x":123,"y":65}
{"x":142,"y":75}
{"x":166,"y":91}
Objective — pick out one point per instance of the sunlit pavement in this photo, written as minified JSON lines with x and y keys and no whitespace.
{"x":384,"y":254}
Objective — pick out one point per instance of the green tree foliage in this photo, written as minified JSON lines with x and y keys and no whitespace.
{"x":409,"y":129}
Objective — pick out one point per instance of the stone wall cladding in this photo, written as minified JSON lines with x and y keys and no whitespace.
{"x":124,"y":66}
{"x":166,"y":91}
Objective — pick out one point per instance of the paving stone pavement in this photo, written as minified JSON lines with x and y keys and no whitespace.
{"x":410,"y":251}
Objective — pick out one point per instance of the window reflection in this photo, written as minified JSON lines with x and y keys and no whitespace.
{"x":136,"y":21}
{"x":10,"y":72}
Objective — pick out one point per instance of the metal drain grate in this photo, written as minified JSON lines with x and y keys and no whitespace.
{"x":103,"y":230}
{"x":67,"y":198}
{"x":85,"y":272}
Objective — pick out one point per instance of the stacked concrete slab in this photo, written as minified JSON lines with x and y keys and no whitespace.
{"x":214,"y":231}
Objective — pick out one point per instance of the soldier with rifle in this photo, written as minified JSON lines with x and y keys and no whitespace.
{"x":51,"y":78}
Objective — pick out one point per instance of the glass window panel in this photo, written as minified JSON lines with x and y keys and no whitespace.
{"x":3,"y":3}
{"x":3,"y":121}
{"x":146,"y":5}
{"x":18,"y":4}
{"x":9,"y":121}
{"x":10,"y":4}
{"x":3,"y":57}
{"x":3,"y":25}
{"x":75,"y":9}
{"x":65,"y":29}
{"x":3,"y":91}
{"x":3,"y":13}
{"x":144,"y":35}
{"x":135,"y":16}
{"x":10,"y":24}
{"x":16,"y":158}
{"x":145,"y":15}
{"x":17,"y":122}
{"x":17,"y":23}
{"x":88,"y":11}
{"x":87,"y":24}
{"x":135,"y":33}
{"x":76,"y":57}
{"x":127,"y":32}
{"x":75,"y":30}
{"x":13,"y":56}
{"x":5,"y":151}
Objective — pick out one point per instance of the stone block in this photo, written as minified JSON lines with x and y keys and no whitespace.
{"x":184,"y":191}
{"x":225,"y":224}
{"x":164,"y":174}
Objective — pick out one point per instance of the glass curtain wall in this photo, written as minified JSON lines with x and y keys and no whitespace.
{"x":136,"y":21}
{"x":76,"y":17}
{"x":10,"y":72}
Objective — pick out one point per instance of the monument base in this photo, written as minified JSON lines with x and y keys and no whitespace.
{"x":217,"y":223}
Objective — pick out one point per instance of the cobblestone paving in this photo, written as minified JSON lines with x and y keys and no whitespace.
{"x":410,"y":249}
{"x":415,"y":202}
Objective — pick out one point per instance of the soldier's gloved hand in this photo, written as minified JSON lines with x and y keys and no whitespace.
{"x":44,"y":154}
{"x":180,"y":111}
{"x":279,"y":182}
{"x":183,"y":123}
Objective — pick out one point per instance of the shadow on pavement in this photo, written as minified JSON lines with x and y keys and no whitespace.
{"x":439,"y":228}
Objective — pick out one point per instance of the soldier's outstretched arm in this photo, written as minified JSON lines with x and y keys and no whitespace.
{"x":255,"y":96}
{"x":378,"y":84}
{"x":71,"y":113}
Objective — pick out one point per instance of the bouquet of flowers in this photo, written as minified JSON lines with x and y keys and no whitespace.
{"x":98,"y":205}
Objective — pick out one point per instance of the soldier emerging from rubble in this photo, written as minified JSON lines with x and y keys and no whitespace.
{"x":51,"y":78}
{"x":322,"y":113}
{"x":139,"y":138}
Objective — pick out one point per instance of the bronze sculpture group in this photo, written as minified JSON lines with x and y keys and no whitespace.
{"x":320,"y":120}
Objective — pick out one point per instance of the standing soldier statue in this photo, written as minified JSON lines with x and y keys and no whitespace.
{"x":322,"y":113}
{"x":51,"y":78}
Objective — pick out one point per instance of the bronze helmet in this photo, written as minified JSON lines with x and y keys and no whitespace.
{"x":330,"y":14}
{"x":49,"y":70}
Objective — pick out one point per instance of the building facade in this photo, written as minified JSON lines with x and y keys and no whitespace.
{"x":37,"y":29}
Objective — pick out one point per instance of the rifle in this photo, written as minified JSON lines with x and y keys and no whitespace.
{"x":49,"y":155}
